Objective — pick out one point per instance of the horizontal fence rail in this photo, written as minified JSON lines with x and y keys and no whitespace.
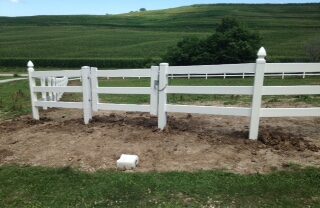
{"x":209,"y":110}
{"x":214,"y":69}
{"x":241,"y":75}
{"x":152,"y":90}
{"x":225,"y":90}
{"x":55,"y":83}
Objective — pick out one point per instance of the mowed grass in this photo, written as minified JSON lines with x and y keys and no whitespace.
{"x":15,"y":97}
{"x":285,"y":30}
{"x":44,"y":187}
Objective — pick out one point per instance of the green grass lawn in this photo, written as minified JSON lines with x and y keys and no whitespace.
{"x":15,"y":98}
{"x":43,"y":187}
{"x":285,"y":30}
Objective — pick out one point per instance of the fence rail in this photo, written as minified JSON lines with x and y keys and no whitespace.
{"x":54,"y":84}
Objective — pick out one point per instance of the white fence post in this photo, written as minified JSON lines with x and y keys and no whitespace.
{"x":43,"y":94}
{"x":94,"y":88}
{"x":282,"y":75}
{"x":304,"y":75}
{"x":163,"y":83}
{"x":87,"y":112}
{"x":54,"y":79}
{"x":257,"y":94}
{"x":50,"y":85}
{"x":154,"y":90}
{"x":32,"y":83}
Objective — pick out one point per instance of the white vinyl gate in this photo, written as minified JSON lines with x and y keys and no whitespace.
{"x":159,"y":90}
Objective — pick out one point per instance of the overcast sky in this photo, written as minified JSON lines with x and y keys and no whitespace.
{"x":58,"y":7}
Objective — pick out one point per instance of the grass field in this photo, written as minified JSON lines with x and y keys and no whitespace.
{"x":42,"y":187}
{"x":147,"y":35}
{"x":15,"y":97}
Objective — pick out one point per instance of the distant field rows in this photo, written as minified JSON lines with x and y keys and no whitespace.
{"x":285,"y":30}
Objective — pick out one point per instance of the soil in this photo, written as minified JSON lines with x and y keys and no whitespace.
{"x":189,"y":143}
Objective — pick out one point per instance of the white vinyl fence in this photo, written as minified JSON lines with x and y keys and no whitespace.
{"x":56,"y":87}
{"x":152,"y":73}
{"x":159,"y":90}
{"x":242,"y":75}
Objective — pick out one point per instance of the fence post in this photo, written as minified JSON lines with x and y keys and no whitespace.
{"x":49,"y":85}
{"x":282,"y":75}
{"x":32,"y":83}
{"x":304,"y":75}
{"x":54,"y":79}
{"x":43,"y":94}
{"x":154,"y":90}
{"x":94,"y":88}
{"x":87,"y":112}
{"x":163,"y":83}
{"x":257,"y":94}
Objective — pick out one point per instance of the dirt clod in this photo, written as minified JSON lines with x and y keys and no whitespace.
{"x":285,"y":141}
{"x":5,"y":153}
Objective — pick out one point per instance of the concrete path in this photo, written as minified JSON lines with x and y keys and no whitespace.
{"x":11,"y":80}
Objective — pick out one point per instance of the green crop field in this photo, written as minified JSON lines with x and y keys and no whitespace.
{"x":139,"y":39}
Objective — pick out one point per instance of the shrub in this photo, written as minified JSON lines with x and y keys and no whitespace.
{"x":231,"y":43}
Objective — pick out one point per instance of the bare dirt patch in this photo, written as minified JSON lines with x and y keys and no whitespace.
{"x":190,"y":142}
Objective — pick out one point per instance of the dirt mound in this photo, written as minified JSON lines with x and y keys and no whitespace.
{"x":5,"y":153}
{"x":188,"y":143}
{"x":280,"y":140}
{"x":141,"y":120}
{"x":20,"y":123}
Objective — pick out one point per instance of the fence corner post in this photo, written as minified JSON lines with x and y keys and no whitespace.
{"x":32,"y":84}
{"x":257,"y":94}
{"x":163,"y":83}
{"x":86,"y":90}
{"x":154,"y":90}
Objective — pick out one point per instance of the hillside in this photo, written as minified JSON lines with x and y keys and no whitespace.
{"x":146,"y":35}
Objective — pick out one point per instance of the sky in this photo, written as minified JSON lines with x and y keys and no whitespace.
{"x":101,"y":7}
